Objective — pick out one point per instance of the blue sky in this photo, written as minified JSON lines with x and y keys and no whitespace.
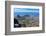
{"x":26,"y":11}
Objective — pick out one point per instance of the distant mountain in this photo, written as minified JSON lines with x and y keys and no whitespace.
{"x":26,"y":14}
